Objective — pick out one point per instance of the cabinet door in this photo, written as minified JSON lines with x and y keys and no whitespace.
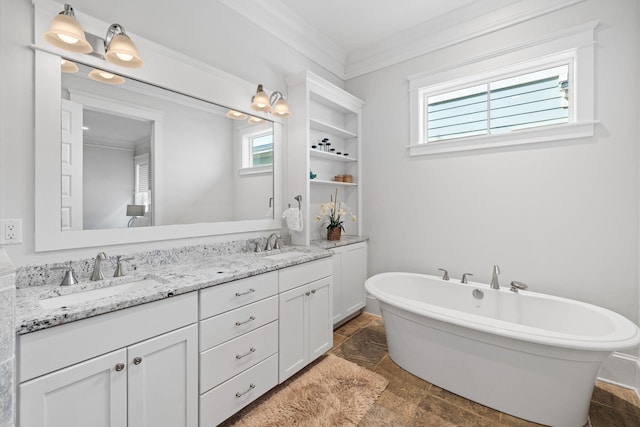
{"x":338,"y":306}
{"x":320,"y":330}
{"x":163,"y":380}
{"x":354,"y":262}
{"x":91,"y":393}
{"x":293,"y":327}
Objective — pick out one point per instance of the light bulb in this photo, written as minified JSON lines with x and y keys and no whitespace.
{"x":106,"y":75}
{"x":124,"y":56}
{"x":67,"y":39}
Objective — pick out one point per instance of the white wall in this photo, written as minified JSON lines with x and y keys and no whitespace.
{"x":107,"y":187}
{"x":562,"y":218}
{"x":213,"y":34}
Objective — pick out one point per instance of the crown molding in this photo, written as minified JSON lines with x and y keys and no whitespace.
{"x":432,"y":36}
{"x":290,"y":28}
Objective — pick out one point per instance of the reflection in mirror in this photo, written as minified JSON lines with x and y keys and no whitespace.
{"x":135,"y":155}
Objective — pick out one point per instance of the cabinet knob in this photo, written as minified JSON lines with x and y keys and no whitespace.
{"x":137,"y":360}
{"x":313,"y":291}
{"x":307,"y":293}
{"x":119,"y":367}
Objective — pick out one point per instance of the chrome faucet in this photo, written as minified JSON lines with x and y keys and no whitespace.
{"x":445,"y":275}
{"x":97,"y":268}
{"x":276,"y":245}
{"x":464,"y":277}
{"x":494,"y":278}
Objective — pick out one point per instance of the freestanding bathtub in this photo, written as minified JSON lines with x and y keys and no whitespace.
{"x":531,"y":355}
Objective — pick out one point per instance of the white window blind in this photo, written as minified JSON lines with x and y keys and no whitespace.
{"x":530,"y":100}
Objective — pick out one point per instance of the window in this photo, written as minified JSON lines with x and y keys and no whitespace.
{"x":518,"y":95}
{"x":257,"y":150}
{"x":521,"y":102}
{"x":142,"y":194}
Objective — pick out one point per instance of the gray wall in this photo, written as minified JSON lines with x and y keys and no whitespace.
{"x":7,"y":342}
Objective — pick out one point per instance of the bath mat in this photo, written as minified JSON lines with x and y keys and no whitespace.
{"x":331,"y":392}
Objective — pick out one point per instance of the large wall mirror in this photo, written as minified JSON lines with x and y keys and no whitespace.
{"x":133,"y":162}
{"x":217,"y":163}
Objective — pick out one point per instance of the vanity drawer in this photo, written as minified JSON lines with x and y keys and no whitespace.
{"x":301,"y":274}
{"x":231,"y":324}
{"x":223,"y":401}
{"x":229,"y":359}
{"x":225,"y":297}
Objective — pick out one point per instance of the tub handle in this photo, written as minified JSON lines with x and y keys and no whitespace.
{"x":445,"y":276}
{"x":515,"y":286}
{"x":464,"y":277}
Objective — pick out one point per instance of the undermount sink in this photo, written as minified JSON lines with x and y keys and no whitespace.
{"x":83,"y":296}
{"x":283,"y":256}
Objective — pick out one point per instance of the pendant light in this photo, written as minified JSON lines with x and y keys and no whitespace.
{"x":65,"y":32}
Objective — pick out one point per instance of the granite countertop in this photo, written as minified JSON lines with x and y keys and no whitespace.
{"x":344,"y":240}
{"x":169,"y":280}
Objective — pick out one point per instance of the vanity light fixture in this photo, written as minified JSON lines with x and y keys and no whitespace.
{"x":105,"y":77}
{"x":261,"y":102}
{"x":67,"y":66}
{"x":65,"y":32}
{"x":119,"y":48}
{"x":255,"y":120}
{"x":236,"y":115}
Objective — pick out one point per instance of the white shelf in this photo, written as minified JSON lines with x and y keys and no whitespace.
{"x":323,"y":182}
{"x":334,"y":130}
{"x":331,"y":156}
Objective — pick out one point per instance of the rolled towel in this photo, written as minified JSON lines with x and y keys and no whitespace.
{"x":294,"y":219}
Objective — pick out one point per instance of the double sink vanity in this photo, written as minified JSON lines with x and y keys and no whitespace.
{"x":185,"y":341}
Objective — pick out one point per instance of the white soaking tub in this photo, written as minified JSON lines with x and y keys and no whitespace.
{"x":531,"y":355}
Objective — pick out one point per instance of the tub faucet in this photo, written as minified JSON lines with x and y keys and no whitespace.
{"x":464,"y":277}
{"x":494,"y":278}
{"x":445,"y":275}
{"x":97,"y":267}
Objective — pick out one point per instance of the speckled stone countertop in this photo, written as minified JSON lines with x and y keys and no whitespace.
{"x":344,"y":240}
{"x":186,"y":275}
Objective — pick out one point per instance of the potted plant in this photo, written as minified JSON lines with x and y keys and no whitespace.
{"x":333,"y":213}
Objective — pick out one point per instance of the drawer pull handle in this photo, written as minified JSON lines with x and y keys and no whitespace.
{"x":250,"y":291}
{"x":240,"y":356}
{"x":246,"y":321}
{"x":137,"y":360}
{"x":251,"y":387}
{"x":119,"y":367}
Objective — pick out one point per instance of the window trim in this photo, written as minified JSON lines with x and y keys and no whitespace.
{"x":576,"y":48}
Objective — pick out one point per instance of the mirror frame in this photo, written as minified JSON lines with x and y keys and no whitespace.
{"x":163,"y":68}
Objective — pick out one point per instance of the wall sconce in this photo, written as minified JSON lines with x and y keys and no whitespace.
{"x":67,"y":66}
{"x":105,"y":77}
{"x":66,"y":32}
{"x":261,"y":102}
{"x":119,"y":48}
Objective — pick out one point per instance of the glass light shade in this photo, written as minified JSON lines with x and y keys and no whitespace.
{"x":123,"y":52}
{"x":281,"y":108}
{"x":261,"y":101}
{"x":65,"y":32}
{"x":106,"y":77}
{"x":68,"y":66}
{"x":255,"y":120}
{"x":236,"y":115}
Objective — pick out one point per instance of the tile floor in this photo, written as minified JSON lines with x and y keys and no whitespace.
{"x":410,"y":401}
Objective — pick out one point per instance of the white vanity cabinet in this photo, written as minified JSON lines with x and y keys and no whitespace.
{"x":133,"y":367}
{"x":238,"y":345}
{"x":306,"y":327}
{"x":349,"y":275}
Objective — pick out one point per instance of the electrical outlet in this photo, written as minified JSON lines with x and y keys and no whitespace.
{"x":10,"y":231}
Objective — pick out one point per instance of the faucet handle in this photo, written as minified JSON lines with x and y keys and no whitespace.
{"x":69,"y":278}
{"x":445,"y":276}
{"x":119,"y":268}
{"x":516,"y":286}
{"x":464,"y":277}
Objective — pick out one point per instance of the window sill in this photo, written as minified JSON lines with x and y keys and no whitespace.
{"x":523,"y":137}
{"x":256,"y":170}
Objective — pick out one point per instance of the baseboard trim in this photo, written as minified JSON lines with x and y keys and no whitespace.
{"x":622,"y":370}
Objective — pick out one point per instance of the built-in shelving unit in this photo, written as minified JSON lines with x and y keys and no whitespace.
{"x":323,"y":111}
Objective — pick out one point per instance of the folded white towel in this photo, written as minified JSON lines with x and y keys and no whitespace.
{"x":294,"y":219}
